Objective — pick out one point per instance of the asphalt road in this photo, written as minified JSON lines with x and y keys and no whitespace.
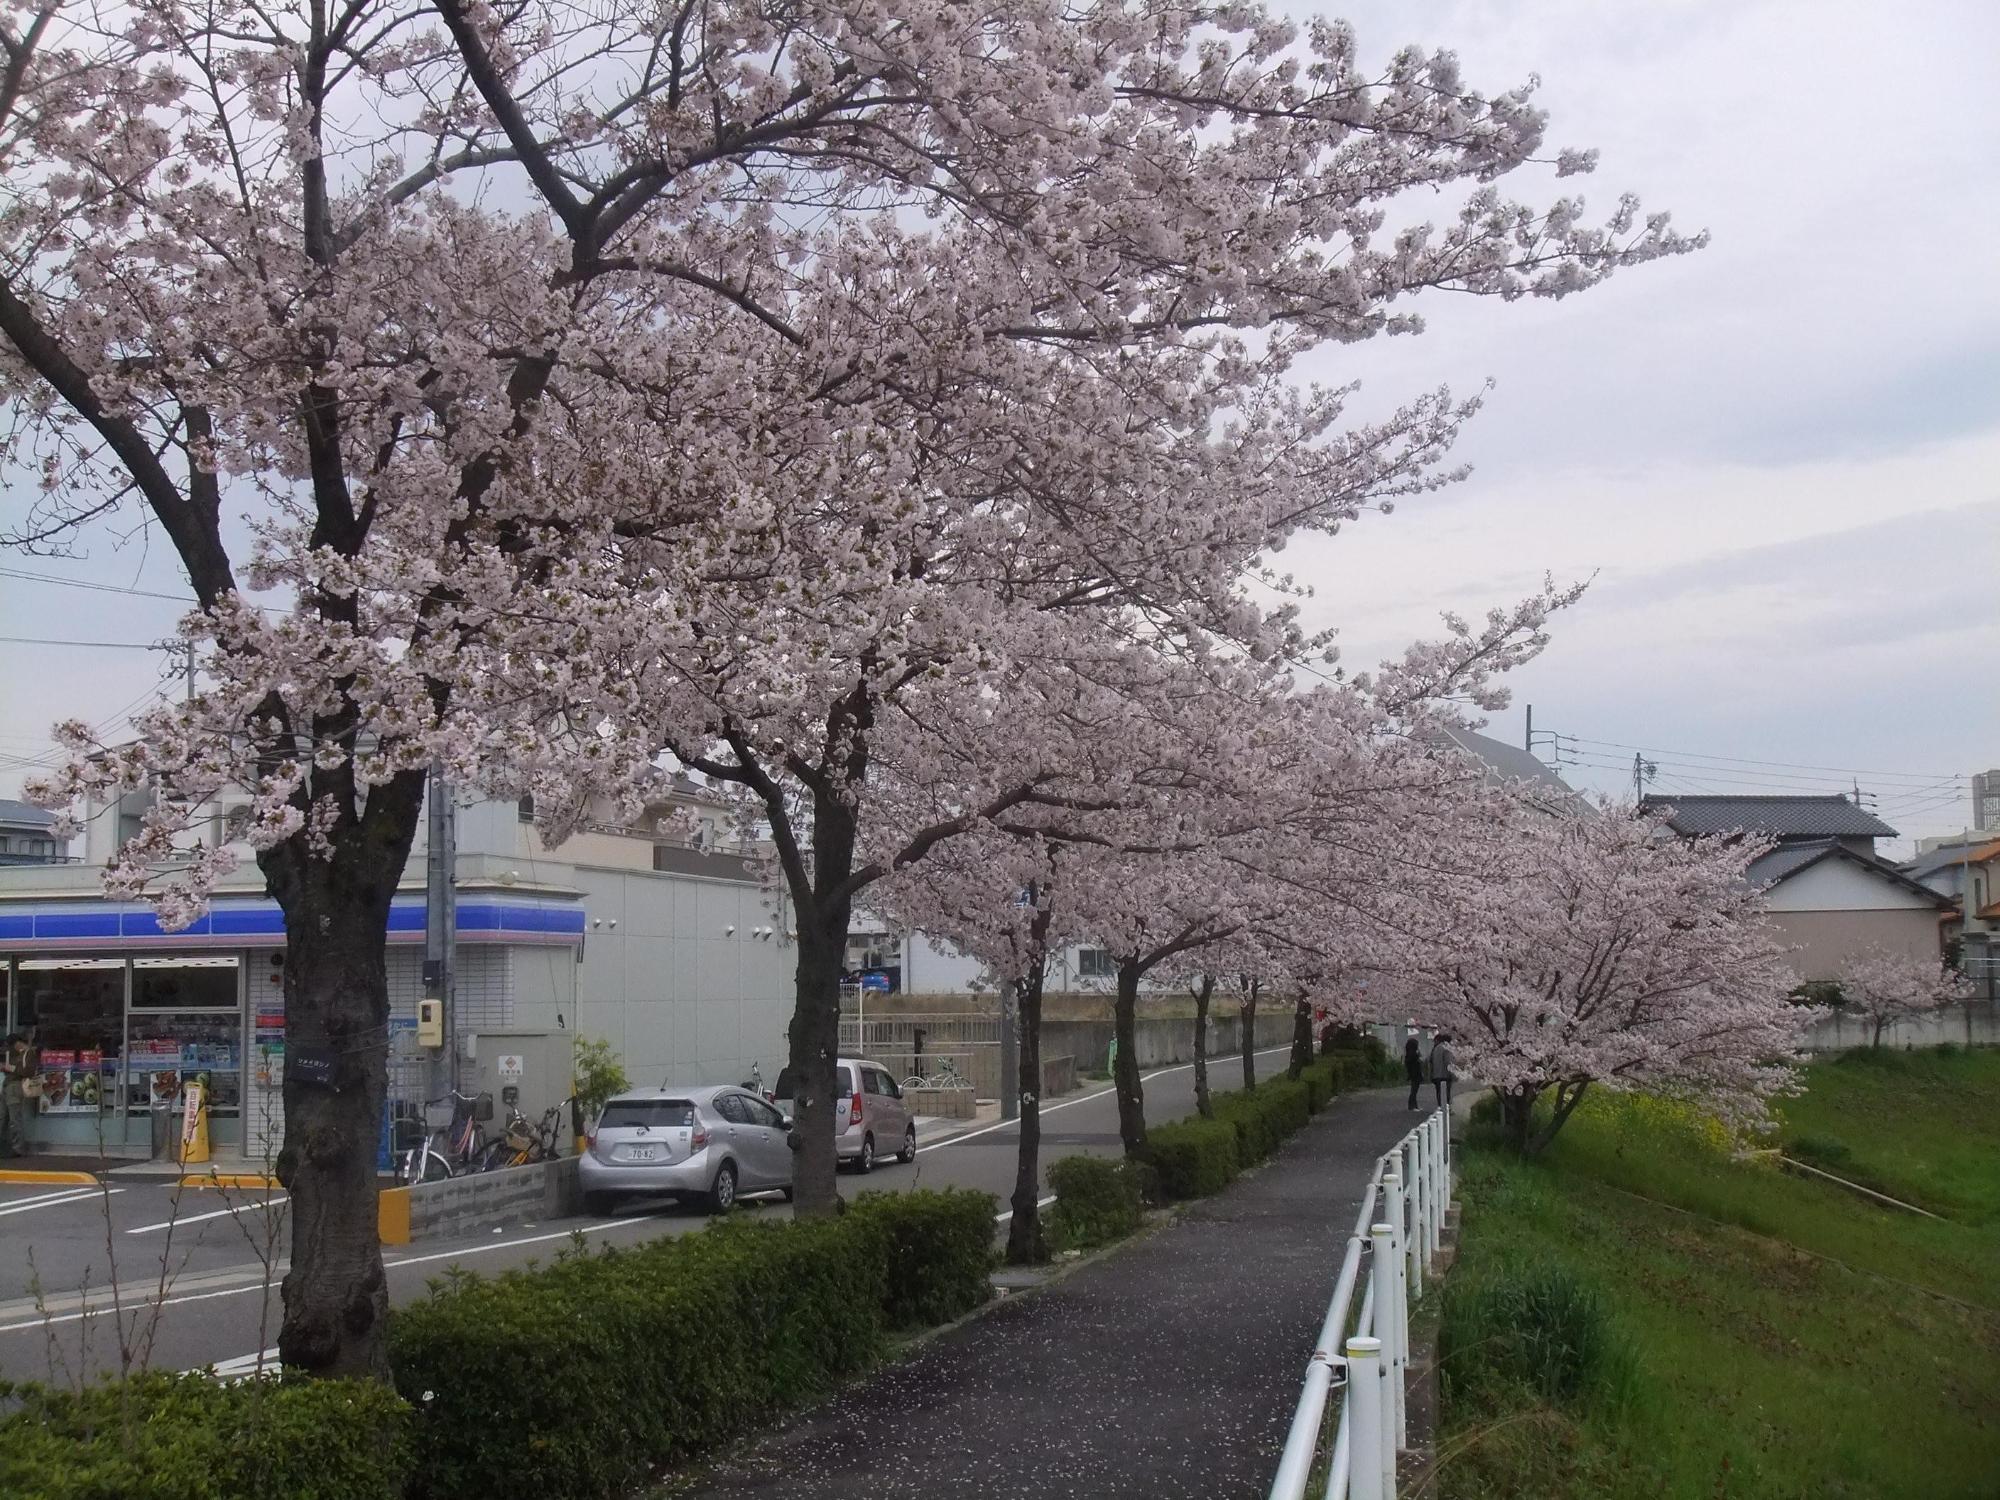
{"x":196,"y":1271}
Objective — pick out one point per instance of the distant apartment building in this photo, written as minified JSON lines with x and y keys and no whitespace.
{"x":1986,"y":801}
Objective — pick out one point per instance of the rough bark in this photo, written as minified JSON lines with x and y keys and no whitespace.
{"x":1302,"y":1037}
{"x":1517,"y":1115}
{"x":1249,"y":1037}
{"x":814,"y":1047}
{"x":337,"y":1004}
{"x":1202,"y":993}
{"x":1025,"y":1245}
{"x":1125,"y":1076}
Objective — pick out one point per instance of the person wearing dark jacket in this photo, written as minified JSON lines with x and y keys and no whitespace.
{"x":1441,"y":1070}
{"x":1413,"y":1066}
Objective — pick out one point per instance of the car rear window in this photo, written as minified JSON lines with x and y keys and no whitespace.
{"x":788,"y":1084}
{"x":655,"y":1114}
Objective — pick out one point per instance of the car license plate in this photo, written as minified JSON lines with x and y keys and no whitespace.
{"x":642,"y":1153}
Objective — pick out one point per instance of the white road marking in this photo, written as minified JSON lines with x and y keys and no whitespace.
{"x":562,"y":1234}
{"x":966,"y":1135}
{"x":219,"y":1213}
{"x":57,"y":1200}
{"x":1039,"y":1203}
{"x":257,"y":1286}
{"x":243,"y":1367}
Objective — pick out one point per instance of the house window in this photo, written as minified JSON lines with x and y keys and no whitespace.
{"x":525,"y":809}
{"x":1095,"y":963}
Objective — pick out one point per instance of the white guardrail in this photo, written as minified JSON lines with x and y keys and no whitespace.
{"x":1398,"y":1232}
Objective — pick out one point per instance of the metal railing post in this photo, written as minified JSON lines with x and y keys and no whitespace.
{"x":1390,"y":1328}
{"x":1417,"y":1240}
{"x":1364,"y":1405}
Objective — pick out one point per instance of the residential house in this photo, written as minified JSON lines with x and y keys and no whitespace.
{"x":1827,"y":890}
{"x":1966,"y":871}
{"x":27,"y":837}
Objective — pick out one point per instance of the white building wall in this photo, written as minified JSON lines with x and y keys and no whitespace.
{"x":688,"y":978}
{"x":1835,"y":885}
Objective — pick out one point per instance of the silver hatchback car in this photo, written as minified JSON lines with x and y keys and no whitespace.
{"x":709,"y":1143}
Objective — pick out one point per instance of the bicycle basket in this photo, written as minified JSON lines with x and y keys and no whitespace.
{"x":439,"y":1116}
{"x":520,"y":1138}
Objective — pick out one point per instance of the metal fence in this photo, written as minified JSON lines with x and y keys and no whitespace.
{"x":1365,"y":1354}
{"x":922,"y":1045}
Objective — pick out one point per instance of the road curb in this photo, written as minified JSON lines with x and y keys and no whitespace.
{"x":25,"y":1177}
{"x":230,"y":1180}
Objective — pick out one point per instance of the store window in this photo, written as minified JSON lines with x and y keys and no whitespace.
{"x":187,"y":1022}
{"x":75,"y":1010}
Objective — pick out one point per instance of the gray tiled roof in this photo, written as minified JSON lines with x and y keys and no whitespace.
{"x":1777,"y":817}
{"x":1787,"y":860}
{"x":1505,"y":761}
{"x":1949,"y":855}
{"x":22,"y":812}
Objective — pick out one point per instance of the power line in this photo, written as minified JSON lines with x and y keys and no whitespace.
{"x":85,"y":583}
{"x":43,"y":640}
{"x":1737,"y":760}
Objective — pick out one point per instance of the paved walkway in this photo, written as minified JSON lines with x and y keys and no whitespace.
{"x":1167,"y":1368}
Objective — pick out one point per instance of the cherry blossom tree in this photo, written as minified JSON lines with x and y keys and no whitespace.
{"x":1598,"y":948}
{"x":530,"y":392}
{"x":1885,"y":985}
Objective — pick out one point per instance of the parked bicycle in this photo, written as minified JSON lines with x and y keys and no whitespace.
{"x":453,"y":1147}
{"x":523,"y":1144}
{"x":947,"y":1077}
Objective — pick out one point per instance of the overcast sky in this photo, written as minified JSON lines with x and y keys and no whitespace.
{"x":1779,"y":458}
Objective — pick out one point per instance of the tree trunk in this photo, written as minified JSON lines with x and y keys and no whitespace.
{"x":1568,"y":1097}
{"x":1881,"y":1021}
{"x":1202,"y":992}
{"x":1517,"y":1115}
{"x":336,"y":1006}
{"x":1025,"y":1245}
{"x":1125,"y":1075}
{"x":1302,"y":1037}
{"x":814,"y":1038}
{"x":1250,"y":1033}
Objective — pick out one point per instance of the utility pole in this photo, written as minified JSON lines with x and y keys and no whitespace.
{"x":1643,"y":771}
{"x":1529,"y":743}
{"x":441,"y":923}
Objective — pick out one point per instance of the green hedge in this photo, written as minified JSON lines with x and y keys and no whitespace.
{"x":938,"y":1247}
{"x":583,"y":1378}
{"x":187,"y":1437}
{"x":1195,"y":1157}
{"x":1265,"y":1117}
{"x":1192,"y":1158}
{"x":1098,"y":1200}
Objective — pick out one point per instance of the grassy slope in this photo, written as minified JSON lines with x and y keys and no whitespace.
{"x":1770,"y":1355}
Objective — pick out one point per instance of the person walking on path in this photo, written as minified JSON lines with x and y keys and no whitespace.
{"x":1441,"y":1073}
{"x":1413,"y":1065}
{"x":16,"y":1064}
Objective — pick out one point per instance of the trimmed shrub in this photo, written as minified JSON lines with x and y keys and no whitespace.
{"x":583,"y":1377}
{"x":1097,"y":1201}
{"x":1541,"y":1327}
{"x":938,"y":1247}
{"x":1265,"y":1116}
{"x":1194,"y":1157}
{"x":187,"y":1437}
